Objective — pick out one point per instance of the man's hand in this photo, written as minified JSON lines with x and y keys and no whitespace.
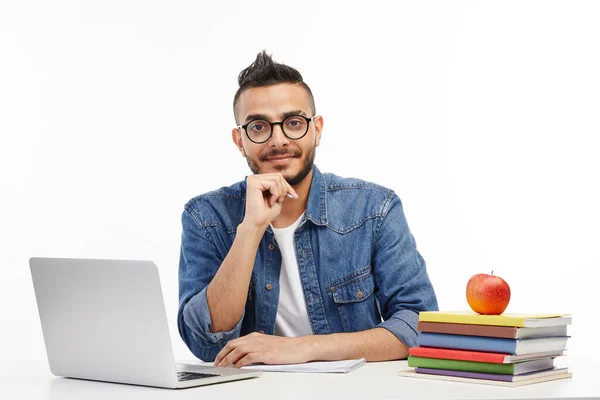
{"x":264,"y":195}
{"x":266,"y":349}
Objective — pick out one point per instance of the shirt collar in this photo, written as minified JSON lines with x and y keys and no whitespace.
{"x":316,"y":206}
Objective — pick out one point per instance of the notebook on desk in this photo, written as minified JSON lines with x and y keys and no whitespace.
{"x":343,"y":366}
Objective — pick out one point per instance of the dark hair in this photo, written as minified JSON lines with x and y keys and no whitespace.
{"x":265,"y":72}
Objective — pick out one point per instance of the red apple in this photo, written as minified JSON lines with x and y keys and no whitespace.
{"x":488,"y":294}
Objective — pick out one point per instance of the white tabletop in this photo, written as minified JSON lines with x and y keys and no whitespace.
{"x":372,"y":381}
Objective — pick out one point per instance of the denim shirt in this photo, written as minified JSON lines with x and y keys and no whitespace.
{"x":358,"y":263}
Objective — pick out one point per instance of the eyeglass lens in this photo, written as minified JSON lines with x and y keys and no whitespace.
{"x":294,"y":127}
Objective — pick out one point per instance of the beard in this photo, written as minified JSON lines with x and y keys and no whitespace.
{"x":307,"y":163}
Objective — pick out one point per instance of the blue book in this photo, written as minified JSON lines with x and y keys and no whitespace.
{"x":491,"y":344}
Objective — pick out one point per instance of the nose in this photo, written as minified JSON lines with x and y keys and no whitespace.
{"x":278,"y":138}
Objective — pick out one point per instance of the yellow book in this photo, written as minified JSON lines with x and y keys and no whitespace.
{"x":506,"y":319}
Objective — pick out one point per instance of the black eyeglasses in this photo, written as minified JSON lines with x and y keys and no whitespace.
{"x":260,"y":130}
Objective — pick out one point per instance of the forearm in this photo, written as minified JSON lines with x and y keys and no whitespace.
{"x":227,"y":292}
{"x":377,"y":344}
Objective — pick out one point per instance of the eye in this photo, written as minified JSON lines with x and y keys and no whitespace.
{"x":295,"y":123}
{"x":258,"y":126}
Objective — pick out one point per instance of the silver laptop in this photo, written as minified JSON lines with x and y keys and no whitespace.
{"x":105,"y":320}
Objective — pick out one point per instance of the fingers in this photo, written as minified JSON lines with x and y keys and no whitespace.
{"x":224,"y":351}
{"x":235,"y":350}
{"x":279,"y":189}
{"x":228,"y":348}
{"x":277,"y":192}
{"x":265,"y":194}
{"x":276,"y":185}
{"x":232,"y":346}
{"x":259,"y":348}
{"x":284,"y":187}
{"x":233,"y":357}
{"x":250,"y":358}
{"x":228,"y":352}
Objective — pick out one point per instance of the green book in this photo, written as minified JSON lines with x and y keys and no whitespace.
{"x":475,"y":366}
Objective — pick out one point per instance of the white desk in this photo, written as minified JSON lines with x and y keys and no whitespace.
{"x":372,"y":381}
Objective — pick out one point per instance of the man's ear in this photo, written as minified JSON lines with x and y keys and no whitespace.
{"x":318,"y":121}
{"x":236,"y":136}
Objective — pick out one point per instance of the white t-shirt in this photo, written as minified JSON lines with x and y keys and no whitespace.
{"x":292,"y":318}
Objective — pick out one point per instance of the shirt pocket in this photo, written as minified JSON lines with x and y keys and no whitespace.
{"x":354,"y":300}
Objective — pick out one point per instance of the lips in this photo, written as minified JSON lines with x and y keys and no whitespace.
{"x":280,"y":157}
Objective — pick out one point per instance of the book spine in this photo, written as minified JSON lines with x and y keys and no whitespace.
{"x":463,"y":342}
{"x":468,"y":329}
{"x":450,"y":354}
{"x":474,"y":319}
{"x":456,"y":365}
{"x":465,"y":374}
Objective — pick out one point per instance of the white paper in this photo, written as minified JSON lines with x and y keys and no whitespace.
{"x":343,"y":366}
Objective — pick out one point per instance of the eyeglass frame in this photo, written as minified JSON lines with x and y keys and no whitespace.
{"x":280,"y":123}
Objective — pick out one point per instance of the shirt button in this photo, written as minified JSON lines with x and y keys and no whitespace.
{"x":271,"y":247}
{"x":269,"y":286}
{"x":359,"y":294}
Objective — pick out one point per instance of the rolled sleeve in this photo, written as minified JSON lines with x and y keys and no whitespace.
{"x":404,"y":288}
{"x":196,"y":317}
{"x":403,"y":325}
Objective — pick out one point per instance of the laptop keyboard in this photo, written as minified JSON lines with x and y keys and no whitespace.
{"x":186,"y":376}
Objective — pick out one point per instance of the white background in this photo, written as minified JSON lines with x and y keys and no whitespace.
{"x":483,"y":116}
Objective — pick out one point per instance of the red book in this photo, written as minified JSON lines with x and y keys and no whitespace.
{"x":480,"y":356}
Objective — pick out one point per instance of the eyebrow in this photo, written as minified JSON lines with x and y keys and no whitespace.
{"x":284,"y":115}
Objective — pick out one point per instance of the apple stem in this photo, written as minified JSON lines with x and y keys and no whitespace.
{"x":492,"y":272}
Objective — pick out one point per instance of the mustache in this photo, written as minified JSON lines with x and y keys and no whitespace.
{"x":279,"y":153}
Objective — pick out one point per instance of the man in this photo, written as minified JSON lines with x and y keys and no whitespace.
{"x":293,"y":265}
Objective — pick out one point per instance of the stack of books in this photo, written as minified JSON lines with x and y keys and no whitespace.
{"x":504,"y":350}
